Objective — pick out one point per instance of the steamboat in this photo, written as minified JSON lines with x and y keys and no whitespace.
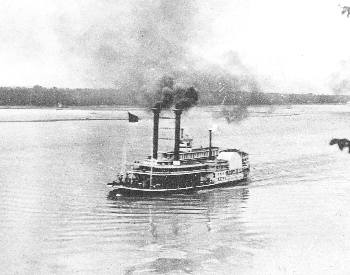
{"x":183,"y":170}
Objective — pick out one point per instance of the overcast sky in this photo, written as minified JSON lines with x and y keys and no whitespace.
{"x":289,"y":46}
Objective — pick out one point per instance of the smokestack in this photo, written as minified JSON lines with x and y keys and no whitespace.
{"x":210,"y":150}
{"x":156,"y":112}
{"x":178,"y":113}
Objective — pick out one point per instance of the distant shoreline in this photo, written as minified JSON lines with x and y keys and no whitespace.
{"x":113,"y":107}
{"x":58,"y":120}
{"x":57,"y":97}
{"x":96,"y":107}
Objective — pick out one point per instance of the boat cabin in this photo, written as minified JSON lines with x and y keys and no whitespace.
{"x":192,"y":154}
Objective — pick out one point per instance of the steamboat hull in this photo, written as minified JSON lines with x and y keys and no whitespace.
{"x":121,"y":190}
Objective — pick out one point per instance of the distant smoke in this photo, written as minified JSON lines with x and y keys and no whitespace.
{"x":342,"y":87}
{"x":235,"y":113}
{"x":238,"y":92}
{"x":145,"y":48}
{"x":340,"y":81}
{"x":134,"y":43}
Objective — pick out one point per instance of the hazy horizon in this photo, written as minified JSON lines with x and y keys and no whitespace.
{"x":296,"y":48}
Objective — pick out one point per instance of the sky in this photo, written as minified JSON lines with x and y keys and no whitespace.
{"x":289,"y":47}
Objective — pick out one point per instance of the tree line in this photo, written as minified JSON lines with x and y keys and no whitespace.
{"x":53,"y":97}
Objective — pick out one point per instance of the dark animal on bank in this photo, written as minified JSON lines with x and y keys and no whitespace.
{"x":346,"y":9}
{"x":342,"y":143}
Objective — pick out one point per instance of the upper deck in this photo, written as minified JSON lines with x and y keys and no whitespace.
{"x":148,"y":168}
{"x":165,"y":168}
{"x":191,"y":154}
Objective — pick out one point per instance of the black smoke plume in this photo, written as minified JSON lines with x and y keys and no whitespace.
{"x":174,"y":95}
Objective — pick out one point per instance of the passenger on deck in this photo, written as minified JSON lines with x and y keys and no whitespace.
{"x":146,"y":184}
{"x":127,"y":178}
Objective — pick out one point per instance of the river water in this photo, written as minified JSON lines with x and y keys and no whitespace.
{"x":56,"y":215}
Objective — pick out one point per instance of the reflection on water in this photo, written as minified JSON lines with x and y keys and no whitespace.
{"x":164,"y":265}
{"x":188,"y":233}
{"x":59,"y":217}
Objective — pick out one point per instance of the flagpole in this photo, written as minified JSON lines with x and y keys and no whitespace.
{"x":123,"y":168}
{"x":131,"y":118}
{"x":151,"y":176}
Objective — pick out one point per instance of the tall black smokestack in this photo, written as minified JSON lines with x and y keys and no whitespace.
{"x":156,"y":112}
{"x":178,"y":113}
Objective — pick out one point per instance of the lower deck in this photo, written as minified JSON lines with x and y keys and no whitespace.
{"x":124,"y":190}
{"x":145,"y":181}
{"x":142,"y":184}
